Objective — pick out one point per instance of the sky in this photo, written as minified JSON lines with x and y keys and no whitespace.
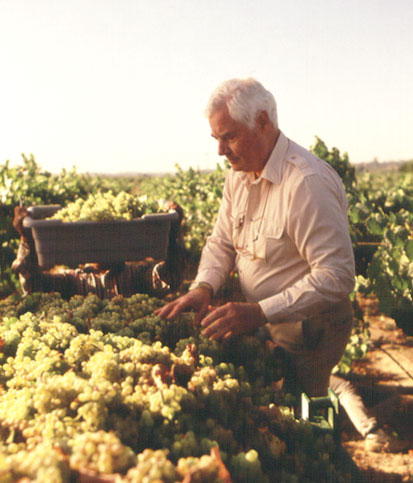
{"x":110,"y":86}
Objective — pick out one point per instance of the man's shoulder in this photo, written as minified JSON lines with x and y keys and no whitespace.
{"x":305,"y":169}
{"x":302,"y":163}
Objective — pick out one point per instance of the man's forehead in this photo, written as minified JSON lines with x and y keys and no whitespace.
{"x":221,"y":122}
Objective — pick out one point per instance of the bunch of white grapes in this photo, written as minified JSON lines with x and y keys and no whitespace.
{"x":108,"y":207}
{"x":101,"y":452}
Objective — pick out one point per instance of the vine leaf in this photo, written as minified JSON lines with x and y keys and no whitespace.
{"x":409,"y":249}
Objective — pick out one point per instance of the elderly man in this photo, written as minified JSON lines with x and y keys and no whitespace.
{"x":283,"y":227}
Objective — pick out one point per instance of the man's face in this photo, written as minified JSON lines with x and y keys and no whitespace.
{"x":244,"y":147}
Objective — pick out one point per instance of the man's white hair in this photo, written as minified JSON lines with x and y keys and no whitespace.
{"x":245,"y":99}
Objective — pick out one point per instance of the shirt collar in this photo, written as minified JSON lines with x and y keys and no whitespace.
{"x":274,"y":167}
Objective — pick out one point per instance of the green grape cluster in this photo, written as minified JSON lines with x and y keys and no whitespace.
{"x":204,"y":468}
{"x":101,"y":452}
{"x":152,"y":466}
{"x":246,"y":467}
{"x":105,"y":206}
{"x":40,"y":464}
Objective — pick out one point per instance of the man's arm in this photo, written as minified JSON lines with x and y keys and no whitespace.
{"x":218,"y":254}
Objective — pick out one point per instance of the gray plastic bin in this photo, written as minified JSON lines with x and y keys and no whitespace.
{"x":74,"y":243}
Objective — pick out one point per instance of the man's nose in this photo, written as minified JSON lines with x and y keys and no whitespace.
{"x":222,"y":148}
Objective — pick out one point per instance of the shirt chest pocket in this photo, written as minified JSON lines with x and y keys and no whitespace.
{"x":257,"y":239}
{"x":273,"y":231}
{"x":270,"y":242}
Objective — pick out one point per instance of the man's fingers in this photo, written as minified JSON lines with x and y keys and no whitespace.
{"x":216,"y":324}
{"x":228,"y":335}
{"x":198,"y":300}
{"x":169,"y":312}
{"x":216,"y":331}
{"x":214,"y":314}
{"x":201,"y":314}
{"x":172,"y":310}
{"x":217,"y":327}
{"x":165,"y":311}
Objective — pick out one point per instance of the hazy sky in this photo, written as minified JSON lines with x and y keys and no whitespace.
{"x":121,"y":85}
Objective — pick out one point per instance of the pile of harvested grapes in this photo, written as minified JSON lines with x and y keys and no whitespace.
{"x":108,"y":389}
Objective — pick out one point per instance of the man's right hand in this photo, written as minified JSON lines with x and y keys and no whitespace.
{"x":198,"y":299}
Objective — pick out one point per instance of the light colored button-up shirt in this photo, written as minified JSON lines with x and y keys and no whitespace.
{"x":286,"y":234}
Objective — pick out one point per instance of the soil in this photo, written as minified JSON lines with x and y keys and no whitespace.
{"x":384,"y":379}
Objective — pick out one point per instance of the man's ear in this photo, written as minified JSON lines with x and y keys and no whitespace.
{"x":263,"y":120}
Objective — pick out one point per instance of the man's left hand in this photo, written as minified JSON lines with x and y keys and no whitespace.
{"x":232,"y":319}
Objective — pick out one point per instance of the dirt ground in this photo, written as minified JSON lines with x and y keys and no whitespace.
{"x":384,"y":379}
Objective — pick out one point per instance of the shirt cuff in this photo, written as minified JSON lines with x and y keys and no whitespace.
{"x":214,"y":279}
{"x":206,"y":285}
{"x":276,"y":310}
